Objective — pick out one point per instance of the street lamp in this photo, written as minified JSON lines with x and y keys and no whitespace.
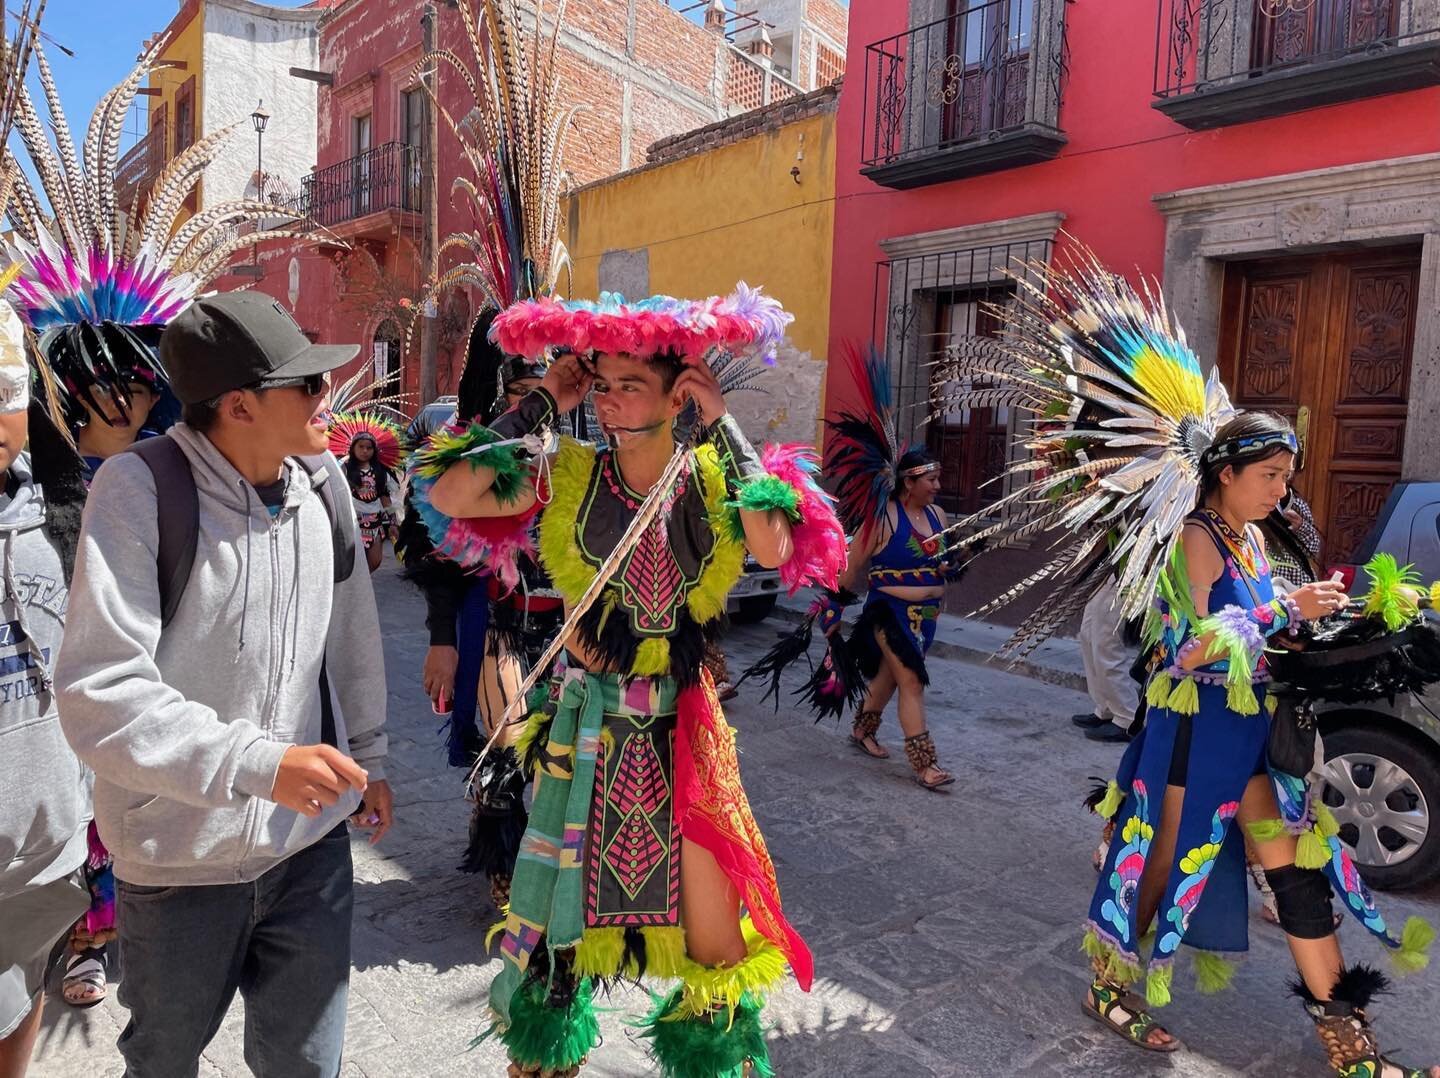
{"x":260,"y":118}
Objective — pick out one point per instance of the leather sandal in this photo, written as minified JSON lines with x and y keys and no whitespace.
{"x":862,"y":735}
{"x":920,"y":751}
{"x":1121,"y":1012}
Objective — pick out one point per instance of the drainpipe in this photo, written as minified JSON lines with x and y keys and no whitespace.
{"x":430,"y":218}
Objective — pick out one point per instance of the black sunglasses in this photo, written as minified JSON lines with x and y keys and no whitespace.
{"x":314,"y":384}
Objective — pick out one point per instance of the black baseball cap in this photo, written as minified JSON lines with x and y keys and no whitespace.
{"x":230,"y":340}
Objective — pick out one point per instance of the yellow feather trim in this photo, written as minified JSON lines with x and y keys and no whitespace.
{"x":1311,"y":850}
{"x":1325,"y":821}
{"x":1157,"y":693}
{"x":1111,"y":802}
{"x":600,"y":951}
{"x":571,"y":574}
{"x":537,"y":722}
{"x":706,"y":986}
{"x":1185,"y":697}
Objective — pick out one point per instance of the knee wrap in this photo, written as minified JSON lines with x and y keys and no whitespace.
{"x":1302,"y":901}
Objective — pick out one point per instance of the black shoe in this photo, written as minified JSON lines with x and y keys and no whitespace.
{"x":1088,"y":721}
{"x":1109,"y":732}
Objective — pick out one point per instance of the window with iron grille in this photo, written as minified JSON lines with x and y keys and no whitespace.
{"x":924,"y":303}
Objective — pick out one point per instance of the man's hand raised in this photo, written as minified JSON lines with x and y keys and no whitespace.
{"x":311,"y":778}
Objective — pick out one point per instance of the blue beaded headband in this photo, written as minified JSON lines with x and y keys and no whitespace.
{"x":1252,"y":445}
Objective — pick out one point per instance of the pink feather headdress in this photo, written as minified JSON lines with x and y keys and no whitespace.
{"x":744,"y":321}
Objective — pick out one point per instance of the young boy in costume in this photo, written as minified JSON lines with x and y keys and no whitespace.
{"x":641,"y":848}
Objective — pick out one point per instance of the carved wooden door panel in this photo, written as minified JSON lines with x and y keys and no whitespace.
{"x":1327,"y":341}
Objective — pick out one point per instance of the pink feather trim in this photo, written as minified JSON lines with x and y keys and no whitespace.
{"x":817,"y":539}
{"x":491,"y":544}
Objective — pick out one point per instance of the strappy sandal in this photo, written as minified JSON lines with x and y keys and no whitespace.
{"x":920,"y":751}
{"x":84,"y":985}
{"x":1344,"y":1028}
{"x":864,"y":729}
{"x":1124,"y":1014}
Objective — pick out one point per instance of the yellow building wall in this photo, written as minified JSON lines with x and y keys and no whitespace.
{"x":186,"y":45}
{"x":731,"y":213}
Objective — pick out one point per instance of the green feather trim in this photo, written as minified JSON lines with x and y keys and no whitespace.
{"x":1157,"y":693}
{"x":1435,"y":595}
{"x":723,"y":986}
{"x":1239,"y":693}
{"x":1311,"y":850}
{"x":1266,"y":830}
{"x":1111,"y":802}
{"x":1271,"y":701}
{"x":550,"y":1037}
{"x":443,"y":449}
{"x":1413,"y":954}
{"x":1157,"y":985}
{"x":1392,"y":588}
{"x":711,"y":1045}
{"x":559,"y":547}
{"x":1185,"y":697}
{"x":765,"y":493}
{"x":1212,"y":972}
{"x":1174,"y":589}
{"x":727,"y":560}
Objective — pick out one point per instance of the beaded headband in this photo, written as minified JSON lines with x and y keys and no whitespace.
{"x":1250,"y":446}
{"x":920,"y":469}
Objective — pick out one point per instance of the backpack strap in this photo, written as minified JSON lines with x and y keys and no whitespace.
{"x":177,"y":517}
{"x":342,"y":536}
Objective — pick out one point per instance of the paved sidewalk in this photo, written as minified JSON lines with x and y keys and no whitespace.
{"x":945,"y":926}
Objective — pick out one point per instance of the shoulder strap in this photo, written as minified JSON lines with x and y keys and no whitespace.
{"x":342,"y":537}
{"x":177,"y":516}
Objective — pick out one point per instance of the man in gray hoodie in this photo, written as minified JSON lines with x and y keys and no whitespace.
{"x":216,"y":793}
{"x":44,"y":802}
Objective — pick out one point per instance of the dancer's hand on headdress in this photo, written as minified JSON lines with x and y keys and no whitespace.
{"x":568,"y":380}
{"x":697,"y":382}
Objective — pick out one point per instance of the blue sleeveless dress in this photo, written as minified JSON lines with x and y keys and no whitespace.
{"x":907,"y":560}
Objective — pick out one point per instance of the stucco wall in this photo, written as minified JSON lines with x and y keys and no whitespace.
{"x":249,"y":50}
{"x":695,"y":226}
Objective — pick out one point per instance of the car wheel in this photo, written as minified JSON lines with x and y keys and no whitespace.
{"x":1385,"y":794}
{"x":753,"y":608}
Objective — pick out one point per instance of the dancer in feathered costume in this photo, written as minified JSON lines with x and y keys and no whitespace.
{"x":369,"y":448}
{"x":641,"y":848}
{"x":886,"y":493}
{"x":1144,"y":470}
{"x":96,"y":282}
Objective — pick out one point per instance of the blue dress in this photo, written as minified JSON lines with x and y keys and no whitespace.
{"x":1204,"y":904}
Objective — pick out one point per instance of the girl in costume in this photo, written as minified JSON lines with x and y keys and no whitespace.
{"x":369,"y":448}
{"x":887,"y":500}
{"x":641,"y":849}
{"x":1163,"y":484}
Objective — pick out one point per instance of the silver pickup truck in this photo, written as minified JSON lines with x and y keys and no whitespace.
{"x":1382,"y":760}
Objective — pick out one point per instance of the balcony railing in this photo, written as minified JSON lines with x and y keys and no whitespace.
{"x":138,"y":169}
{"x":384,"y":178}
{"x":973,"y":92}
{"x":1229,"y":61}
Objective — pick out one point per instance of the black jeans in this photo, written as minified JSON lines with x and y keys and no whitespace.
{"x":283,"y":940}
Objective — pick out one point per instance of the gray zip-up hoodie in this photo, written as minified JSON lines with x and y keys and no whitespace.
{"x":185,"y":729}
{"x":44,"y":794}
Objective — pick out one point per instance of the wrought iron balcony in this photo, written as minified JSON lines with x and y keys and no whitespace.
{"x":138,"y":169}
{"x":976,"y":91}
{"x":1230,"y":61}
{"x":381,"y":179}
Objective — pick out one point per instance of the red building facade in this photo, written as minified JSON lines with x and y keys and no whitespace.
{"x":1276,"y":165}
{"x":640,"y":69}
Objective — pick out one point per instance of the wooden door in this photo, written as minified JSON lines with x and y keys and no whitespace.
{"x":1327,"y":341}
{"x":971,"y":444}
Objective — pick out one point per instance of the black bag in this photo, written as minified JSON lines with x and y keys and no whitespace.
{"x":1290,"y":746}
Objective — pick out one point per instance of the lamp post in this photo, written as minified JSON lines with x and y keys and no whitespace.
{"x":260,"y":118}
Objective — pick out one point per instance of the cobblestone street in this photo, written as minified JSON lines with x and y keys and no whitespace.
{"x":945,"y":926}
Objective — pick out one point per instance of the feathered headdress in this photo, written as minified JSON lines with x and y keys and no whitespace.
{"x":389,"y":440}
{"x":863,"y":454}
{"x":86,"y":260}
{"x":1122,"y":416}
{"x":513,"y":138}
{"x":747,"y":320}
